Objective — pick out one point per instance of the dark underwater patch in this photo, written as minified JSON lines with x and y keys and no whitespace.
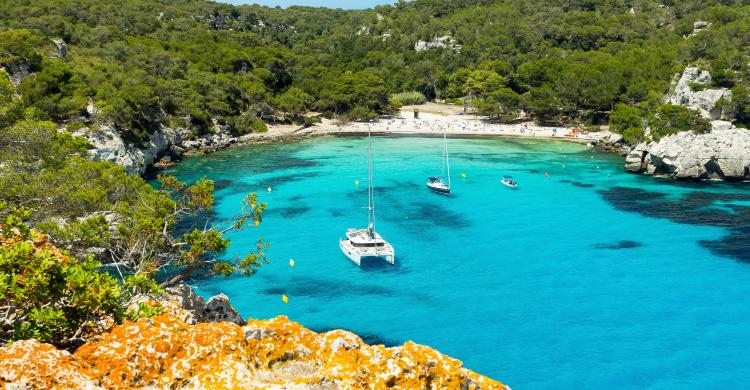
{"x":622,"y":244}
{"x":290,"y":212}
{"x":222,"y":184}
{"x":277,"y":181}
{"x":581,"y":184}
{"x":280,"y":162}
{"x":695,"y":208}
{"x":337,"y":212}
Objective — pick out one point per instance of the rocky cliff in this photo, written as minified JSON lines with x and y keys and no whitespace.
{"x":723,"y":153}
{"x":168,"y":143}
{"x":692,"y":91}
{"x":166,"y":352}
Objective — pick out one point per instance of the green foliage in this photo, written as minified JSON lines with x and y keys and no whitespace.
{"x":143,"y":310}
{"x":55,"y":90}
{"x":47,"y":295}
{"x":202,"y":62}
{"x":625,"y":117}
{"x":670,"y":119}
{"x":633,"y":135}
{"x":293,"y":102}
{"x":408,"y":98}
{"x":246,"y":123}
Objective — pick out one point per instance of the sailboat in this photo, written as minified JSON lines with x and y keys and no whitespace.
{"x":360,"y":244}
{"x":436,"y":183}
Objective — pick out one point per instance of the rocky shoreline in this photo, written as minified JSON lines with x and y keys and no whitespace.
{"x":722,"y":154}
{"x":205,"y":344}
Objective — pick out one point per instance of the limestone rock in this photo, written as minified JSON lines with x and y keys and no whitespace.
{"x":441,"y":42}
{"x":164,"y":352}
{"x":635,"y":161}
{"x":703,"y":101}
{"x":60,"y":49}
{"x":723,"y":153}
{"x":108,"y":145}
{"x":182,"y":302}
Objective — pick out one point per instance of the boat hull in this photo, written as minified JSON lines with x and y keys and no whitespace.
{"x":439,"y":189}
{"x":356,"y":258}
{"x":507,"y":184}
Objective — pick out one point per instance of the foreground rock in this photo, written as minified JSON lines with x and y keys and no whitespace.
{"x":182,"y":302}
{"x":166,"y":352}
{"x":723,"y":153}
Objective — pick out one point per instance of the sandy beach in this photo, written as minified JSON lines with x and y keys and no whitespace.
{"x":433,"y":119}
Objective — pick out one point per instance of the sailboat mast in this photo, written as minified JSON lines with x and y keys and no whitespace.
{"x":447,"y":161}
{"x":370,"y":190}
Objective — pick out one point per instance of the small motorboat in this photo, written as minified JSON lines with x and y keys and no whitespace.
{"x":509,"y":181}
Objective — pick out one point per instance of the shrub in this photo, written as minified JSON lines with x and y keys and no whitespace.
{"x":48,"y":295}
{"x":633,"y":135}
{"x":408,"y":98}
{"x":670,"y":119}
{"x":246,"y":123}
{"x":359,"y":113}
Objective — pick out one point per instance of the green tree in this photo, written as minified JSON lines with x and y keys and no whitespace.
{"x":670,"y":119}
{"x":293,"y":102}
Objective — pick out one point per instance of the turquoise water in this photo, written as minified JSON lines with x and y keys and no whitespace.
{"x":589,"y":278}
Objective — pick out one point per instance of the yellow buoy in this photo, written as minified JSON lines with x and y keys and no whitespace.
{"x":291,"y":262}
{"x":356,"y":182}
{"x":269,"y":189}
{"x":463,"y":175}
{"x":256,"y":223}
{"x":284,"y":298}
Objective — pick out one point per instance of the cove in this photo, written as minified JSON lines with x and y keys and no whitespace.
{"x":590,"y":278}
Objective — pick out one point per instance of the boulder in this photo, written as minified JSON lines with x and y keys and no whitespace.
{"x":635,"y":161}
{"x":60,"y":48}
{"x":191,"y":308}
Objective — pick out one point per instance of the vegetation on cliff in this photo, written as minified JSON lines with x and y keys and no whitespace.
{"x":191,"y":63}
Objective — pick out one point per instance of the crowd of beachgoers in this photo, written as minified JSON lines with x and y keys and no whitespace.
{"x":432,"y":123}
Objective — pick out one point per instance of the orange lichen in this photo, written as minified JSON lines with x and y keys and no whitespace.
{"x":165,"y":352}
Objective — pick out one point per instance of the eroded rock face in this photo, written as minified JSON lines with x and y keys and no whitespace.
{"x":723,"y":153}
{"x":704,"y":101}
{"x":108,"y":145}
{"x":165,"y":352}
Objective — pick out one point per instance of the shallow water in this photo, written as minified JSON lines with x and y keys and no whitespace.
{"x":590,"y":277}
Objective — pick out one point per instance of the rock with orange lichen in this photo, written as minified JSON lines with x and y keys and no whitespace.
{"x":31,"y":364}
{"x":166,"y":352}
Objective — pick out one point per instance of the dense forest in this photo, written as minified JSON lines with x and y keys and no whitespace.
{"x":190,"y":62}
{"x":142,"y":64}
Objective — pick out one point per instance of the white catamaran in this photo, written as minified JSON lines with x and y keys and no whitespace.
{"x":360,"y":244}
{"x":436,"y":183}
